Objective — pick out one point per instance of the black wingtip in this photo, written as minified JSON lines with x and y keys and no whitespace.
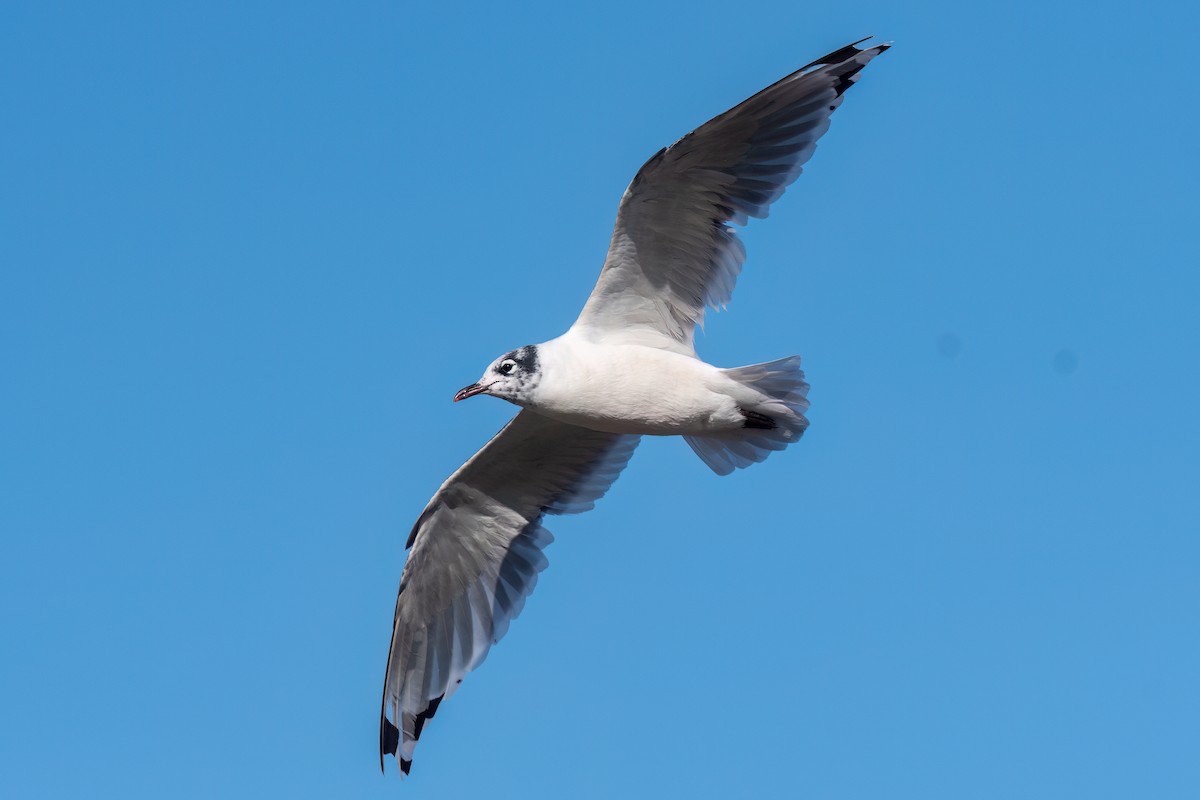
{"x":389,"y":735}
{"x":843,"y":53}
{"x":389,"y":740}
{"x":427,"y":714}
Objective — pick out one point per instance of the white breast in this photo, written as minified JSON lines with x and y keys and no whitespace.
{"x":632,"y":389}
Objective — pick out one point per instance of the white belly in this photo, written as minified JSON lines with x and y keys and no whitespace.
{"x":633,"y":389}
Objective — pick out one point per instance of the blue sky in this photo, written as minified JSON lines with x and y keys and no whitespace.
{"x":250,"y":251}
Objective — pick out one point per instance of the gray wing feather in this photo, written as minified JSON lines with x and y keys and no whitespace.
{"x":476,"y":553}
{"x":673,"y":251}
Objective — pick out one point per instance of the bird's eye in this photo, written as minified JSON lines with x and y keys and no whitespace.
{"x":507,"y":367}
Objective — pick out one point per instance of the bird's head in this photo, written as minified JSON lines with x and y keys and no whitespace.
{"x":510,"y":377}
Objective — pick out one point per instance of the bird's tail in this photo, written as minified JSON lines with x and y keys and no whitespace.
{"x":772,"y":423}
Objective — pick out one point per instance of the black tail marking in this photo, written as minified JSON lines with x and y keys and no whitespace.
{"x":757,"y":420}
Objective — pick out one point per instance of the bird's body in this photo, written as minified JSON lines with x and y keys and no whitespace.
{"x":635,"y":389}
{"x":626,"y":368}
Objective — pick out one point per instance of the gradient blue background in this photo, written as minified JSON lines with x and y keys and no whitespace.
{"x":249,"y":252}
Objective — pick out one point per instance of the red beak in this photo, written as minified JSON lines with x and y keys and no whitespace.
{"x":470,"y":391}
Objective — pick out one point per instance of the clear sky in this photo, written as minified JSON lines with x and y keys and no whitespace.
{"x":249,"y":252}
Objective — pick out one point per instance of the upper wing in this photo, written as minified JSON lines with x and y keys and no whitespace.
{"x":672,"y":251}
{"x":476,"y":554}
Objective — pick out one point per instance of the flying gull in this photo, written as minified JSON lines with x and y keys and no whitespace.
{"x":627,"y":368}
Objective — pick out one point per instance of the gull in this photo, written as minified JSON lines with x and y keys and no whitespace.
{"x":627,"y":368}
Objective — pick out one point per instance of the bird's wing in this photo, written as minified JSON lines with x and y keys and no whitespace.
{"x":673,"y":251}
{"x":476,"y":554}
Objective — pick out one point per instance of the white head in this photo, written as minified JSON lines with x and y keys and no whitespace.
{"x":512,"y":377}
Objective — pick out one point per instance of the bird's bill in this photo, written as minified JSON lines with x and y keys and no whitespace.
{"x":470,"y":391}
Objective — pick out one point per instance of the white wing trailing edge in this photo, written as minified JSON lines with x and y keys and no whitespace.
{"x":476,"y":554}
{"x":673,"y":251}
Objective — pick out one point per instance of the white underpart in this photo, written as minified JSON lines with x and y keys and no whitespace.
{"x":635,"y":389}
